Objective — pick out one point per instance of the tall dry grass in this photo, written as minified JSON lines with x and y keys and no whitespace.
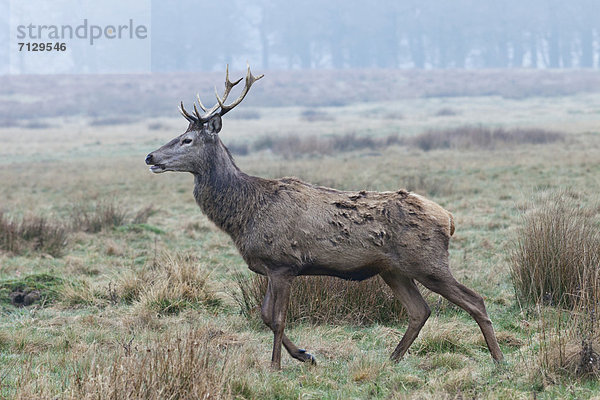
{"x":168,"y":285}
{"x":556,"y":267}
{"x":32,"y":233}
{"x":93,"y":218}
{"x":49,"y":236}
{"x":171,"y":284}
{"x":187,"y":365}
{"x":569,"y":345}
{"x":556,"y":259}
{"x":325,"y":300}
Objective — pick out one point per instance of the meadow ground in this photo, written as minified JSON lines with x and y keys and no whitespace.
{"x":141,"y":293}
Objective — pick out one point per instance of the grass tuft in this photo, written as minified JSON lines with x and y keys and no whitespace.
{"x":555,"y":265}
{"x":566,"y":344}
{"x":32,"y":233}
{"x":81,"y":293}
{"x":189,"y":365}
{"x":570,"y":357}
{"x":141,"y":217}
{"x":557,"y":253}
{"x":173,"y":284}
{"x":100,"y":216}
{"x":324,"y":300}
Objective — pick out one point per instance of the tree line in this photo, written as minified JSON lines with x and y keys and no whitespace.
{"x":378,"y":34}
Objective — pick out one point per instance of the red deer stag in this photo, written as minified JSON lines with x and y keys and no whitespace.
{"x":285,"y":228}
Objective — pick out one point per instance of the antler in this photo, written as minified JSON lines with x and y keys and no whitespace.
{"x":250,"y":79}
{"x":186,"y":115}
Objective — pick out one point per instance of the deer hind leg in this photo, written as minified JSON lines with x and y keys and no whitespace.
{"x":418,"y":311}
{"x":273,"y":313}
{"x":468,"y":300}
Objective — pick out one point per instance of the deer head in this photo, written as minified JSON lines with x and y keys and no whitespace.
{"x":191,"y":151}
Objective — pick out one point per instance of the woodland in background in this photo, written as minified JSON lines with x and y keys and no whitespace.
{"x":382,"y":34}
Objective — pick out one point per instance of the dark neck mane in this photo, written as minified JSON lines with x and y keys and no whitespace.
{"x":225,"y":194}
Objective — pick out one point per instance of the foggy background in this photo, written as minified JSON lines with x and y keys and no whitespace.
{"x":377,"y":34}
{"x":189,"y":35}
{"x":318,"y":53}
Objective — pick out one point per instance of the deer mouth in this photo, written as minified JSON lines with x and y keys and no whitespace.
{"x":158,"y":168}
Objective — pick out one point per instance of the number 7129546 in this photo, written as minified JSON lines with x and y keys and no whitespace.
{"x":49,"y":46}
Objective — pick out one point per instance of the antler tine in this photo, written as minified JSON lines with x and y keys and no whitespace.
{"x":186,"y":115}
{"x":250,"y":79}
{"x":228,"y":86}
{"x":200,"y":102}
{"x":197,"y":113}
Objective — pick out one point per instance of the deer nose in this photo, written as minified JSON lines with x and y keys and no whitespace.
{"x":149,"y":159}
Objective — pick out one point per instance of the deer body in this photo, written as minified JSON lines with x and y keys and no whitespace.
{"x":286,"y":228}
{"x":320,"y":231}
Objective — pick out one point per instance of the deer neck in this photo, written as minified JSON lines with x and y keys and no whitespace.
{"x":224,"y":193}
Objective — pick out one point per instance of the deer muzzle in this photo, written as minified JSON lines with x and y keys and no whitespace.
{"x":154,"y":166}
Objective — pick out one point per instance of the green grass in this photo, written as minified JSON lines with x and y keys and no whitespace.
{"x":115,"y":299}
{"x":140,"y":227}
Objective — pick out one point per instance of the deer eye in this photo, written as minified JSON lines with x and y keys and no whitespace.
{"x":186,"y":141}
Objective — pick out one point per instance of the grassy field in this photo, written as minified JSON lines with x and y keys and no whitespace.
{"x":141,"y":292}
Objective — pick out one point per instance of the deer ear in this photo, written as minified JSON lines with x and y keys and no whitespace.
{"x":213,"y":126}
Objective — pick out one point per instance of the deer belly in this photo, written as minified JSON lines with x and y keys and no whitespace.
{"x":349,"y":273}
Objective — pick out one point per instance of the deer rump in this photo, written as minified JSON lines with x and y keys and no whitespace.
{"x":313,"y":230}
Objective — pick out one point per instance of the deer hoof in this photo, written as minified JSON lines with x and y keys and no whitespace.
{"x":307,"y":357}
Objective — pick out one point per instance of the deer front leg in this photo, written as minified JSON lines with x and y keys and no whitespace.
{"x":267,"y":317}
{"x":279,"y":290}
{"x":278,"y":294}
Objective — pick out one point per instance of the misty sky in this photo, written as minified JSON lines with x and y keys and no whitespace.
{"x":191,"y":35}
